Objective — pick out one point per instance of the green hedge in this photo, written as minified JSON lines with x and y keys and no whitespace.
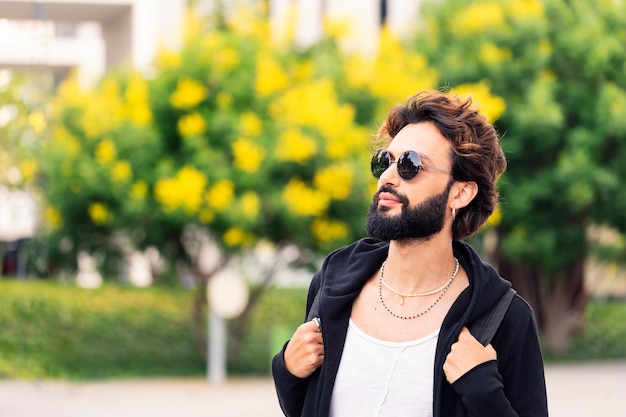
{"x":56,"y":330}
{"x":52,"y":330}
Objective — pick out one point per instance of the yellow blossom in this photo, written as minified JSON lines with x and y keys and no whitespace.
{"x":351,"y":140}
{"x":337,"y":28}
{"x":294,"y":145}
{"x":326,"y":231}
{"x":285,"y":33}
{"x":212,"y":41}
{"x":167,"y":59}
{"x":315,"y":105}
{"x":37,"y":121}
{"x":221,"y":195}
{"x":245,"y":20}
{"x":491,"y":54}
{"x":520,"y":9}
{"x":70,"y":94}
{"x":250,"y":205}
{"x":27,"y":169}
{"x":495,"y":218}
{"x":192,"y":25}
{"x":480,"y":17}
{"x":189,"y":93}
{"x":270,"y":76}
{"x":251,"y":124}
{"x":237,"y":237}
{"x":122,"y":171}
{"x":105,"y":111}
{"x":98,"y":213}
{"x":248,"y":155}
{"x":304,"y":201}
{"x":225,"y":60}
{"x":53,"y":218}
{"x":335,"y":180}
{"x":191,"y":125}
{"x":139,"y":190}
{"x":392,"y":72}
{"x":489,"y":105}
{"x":64,"y":141}
{"x":358,"y":70}
{"x":183,"y":191}
{"x":137,"y":105}
{"x":106,"y":151}
{"x":304,"y":71}
{"x":206,"y":216}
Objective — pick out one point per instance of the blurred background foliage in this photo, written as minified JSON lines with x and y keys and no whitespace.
{"x":56,"y":330}
{"x":560,"y":66}
{"x":240,"y":139}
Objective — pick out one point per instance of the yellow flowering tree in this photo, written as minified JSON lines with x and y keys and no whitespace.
{"x":559,"y":66}
{"x":97,"y":167}
{"x":277,"y":141}
{"x":237,"y":135}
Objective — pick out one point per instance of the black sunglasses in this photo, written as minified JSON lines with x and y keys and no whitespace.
{"x":409,"y":164}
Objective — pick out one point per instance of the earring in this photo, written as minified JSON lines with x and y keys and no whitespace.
{"x":453,"y":214}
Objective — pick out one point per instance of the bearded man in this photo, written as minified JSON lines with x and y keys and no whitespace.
{"x":390,"y":337}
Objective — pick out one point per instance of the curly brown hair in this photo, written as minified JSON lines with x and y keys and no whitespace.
{"x":476,"y":152}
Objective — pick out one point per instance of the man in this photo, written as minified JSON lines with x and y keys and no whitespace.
{"x":391,"y":337}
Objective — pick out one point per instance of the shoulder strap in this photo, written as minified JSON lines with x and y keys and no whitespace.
{"x":315,"y":307}
{"x":486,"y":326}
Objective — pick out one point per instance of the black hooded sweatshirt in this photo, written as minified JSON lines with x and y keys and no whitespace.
{"x":514,"y":385}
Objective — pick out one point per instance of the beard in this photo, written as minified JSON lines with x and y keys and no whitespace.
{"x":413,"y":223}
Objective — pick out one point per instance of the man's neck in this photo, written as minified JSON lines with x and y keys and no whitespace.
{"x":418,"y":265}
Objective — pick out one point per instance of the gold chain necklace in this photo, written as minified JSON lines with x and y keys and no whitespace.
{"x":443,"y":291}
{"x":417,"y":294}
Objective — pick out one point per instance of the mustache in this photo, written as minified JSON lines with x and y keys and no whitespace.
{"x":389,"y":189}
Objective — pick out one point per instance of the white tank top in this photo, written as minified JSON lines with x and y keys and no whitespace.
{"x":384,"y":379}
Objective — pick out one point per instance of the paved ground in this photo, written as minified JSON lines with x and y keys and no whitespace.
{"x":574,"y":391}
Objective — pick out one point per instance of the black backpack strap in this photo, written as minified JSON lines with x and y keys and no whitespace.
{"x":486,"y":326}
{"x":315,"y":307}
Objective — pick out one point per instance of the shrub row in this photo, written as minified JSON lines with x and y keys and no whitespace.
{"x":56,"y":330}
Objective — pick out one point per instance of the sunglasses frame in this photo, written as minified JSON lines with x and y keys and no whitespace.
{"x":410,"y":156}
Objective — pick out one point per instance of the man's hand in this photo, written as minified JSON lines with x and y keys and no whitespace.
{"x":466,"y":354}
{"x":305,"y":351}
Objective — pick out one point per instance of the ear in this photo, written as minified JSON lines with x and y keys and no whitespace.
{"x":462,"y":193}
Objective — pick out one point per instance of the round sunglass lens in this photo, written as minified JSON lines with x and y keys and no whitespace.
{"x":379,"y":163}
{"x":409,"y":165}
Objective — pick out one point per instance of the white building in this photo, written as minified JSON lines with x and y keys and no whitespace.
{"x":93,"y":36}
{"x":90,"y":36}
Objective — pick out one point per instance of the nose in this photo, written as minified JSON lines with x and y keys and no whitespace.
{"x":390,"y":175}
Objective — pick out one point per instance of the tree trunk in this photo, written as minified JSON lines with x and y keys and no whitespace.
{"x":199,"y":312}
{"x":558,"y":300}
{"x":239,"y":325}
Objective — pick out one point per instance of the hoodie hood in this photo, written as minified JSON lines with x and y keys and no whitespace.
{"x":347,"y":269}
